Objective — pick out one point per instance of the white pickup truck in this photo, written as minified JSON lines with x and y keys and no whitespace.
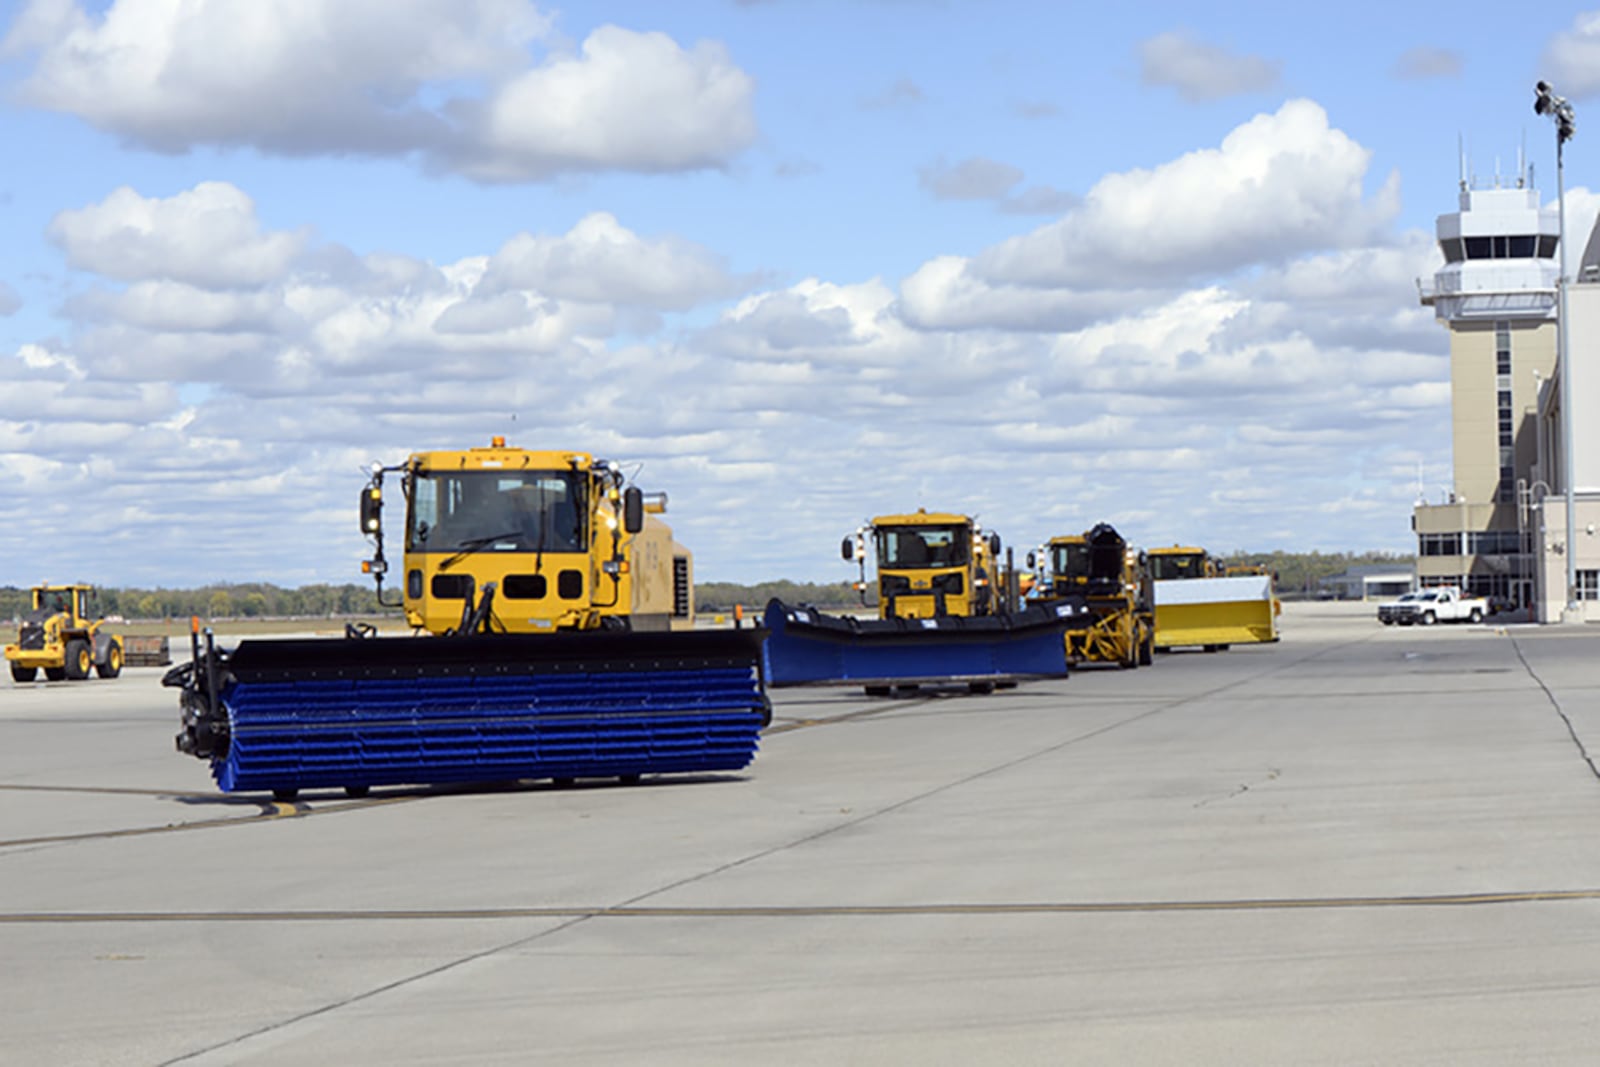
{"x":1428,"y":606}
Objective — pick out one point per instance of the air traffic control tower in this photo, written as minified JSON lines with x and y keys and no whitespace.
{"x":1496,"y":293}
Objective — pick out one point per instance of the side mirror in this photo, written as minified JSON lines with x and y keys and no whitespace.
{"x":371,"y":506}
{"x":994,"y":545}
{"x":633,"y":509}
{"x":1033,"y":562}
{"x":847,"y":548}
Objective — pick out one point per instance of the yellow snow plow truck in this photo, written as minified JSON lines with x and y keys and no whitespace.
{"x":929,"y":565}
{"x":1113,"y":577}
{"x":64,"y":635}
{"x":941,"y":620}
{"x":1197,"y":604}
{"x":552,"y":613}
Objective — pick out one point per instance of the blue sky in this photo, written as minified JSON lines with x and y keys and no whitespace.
{"x":806,"y":262}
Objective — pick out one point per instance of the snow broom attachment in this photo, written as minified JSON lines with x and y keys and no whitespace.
{"x":808,"y":647}
{"x":285,"y":715}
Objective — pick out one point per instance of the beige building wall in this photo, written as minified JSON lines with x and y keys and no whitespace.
{"x":1474,"y":402}
{"x":1548,"y":501}
{"x":1550,"y":548}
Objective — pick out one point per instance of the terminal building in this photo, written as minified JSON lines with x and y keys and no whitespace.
{"x":1500,"y":530}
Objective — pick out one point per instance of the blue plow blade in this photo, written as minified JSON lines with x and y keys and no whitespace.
{"x":809,"y":647}
{"x":295,"y":715}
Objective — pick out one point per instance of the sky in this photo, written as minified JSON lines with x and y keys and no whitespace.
{"x":795,"y":263}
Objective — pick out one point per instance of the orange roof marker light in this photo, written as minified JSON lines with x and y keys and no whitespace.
{"x":497,"y":441}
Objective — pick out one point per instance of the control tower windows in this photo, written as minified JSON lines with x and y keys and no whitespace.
{"x":1499,"y":246}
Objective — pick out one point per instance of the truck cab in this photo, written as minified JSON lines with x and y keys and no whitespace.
{"x":554,"y":535}
{"x":930,"y":564}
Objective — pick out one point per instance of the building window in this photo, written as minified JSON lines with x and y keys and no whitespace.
{"x":1494,"y":543}
{"x":1589,"y":585}
{"x":1439,"y":544}
{"x":1489,"y":585}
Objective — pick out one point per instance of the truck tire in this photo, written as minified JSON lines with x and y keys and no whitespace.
{"x":1476,"y":616}
{"x":1429,"y":618}
{"x":55,"y":674}
{"x":111,"y":666}
{"x":1147,"y":649}
{"x":79,"y":660}
{"x":19,"y":673}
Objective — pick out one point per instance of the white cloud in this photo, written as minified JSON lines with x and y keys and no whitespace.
{"x":601,"y":261}
{"x":455,"y":81}
{"x":1571,"y":59}
{"x":207,"y":237}
{"x":1201,"y":71}
{"x":1583,"y":213}
{"x":1279,"y":185}
{"x":174,"y":306}
{"x":946,"y":294}
{"x":633,"y":101}
{"x":1174,"y":408}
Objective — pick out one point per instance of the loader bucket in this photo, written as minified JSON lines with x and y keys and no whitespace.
{"x":295,"y":714}
{"x":1215,"y":612}
{"x":808,"y":647}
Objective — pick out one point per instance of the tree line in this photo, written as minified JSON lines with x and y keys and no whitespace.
{"x":1298,"y":574}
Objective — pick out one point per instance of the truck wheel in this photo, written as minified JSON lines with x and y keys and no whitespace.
{"x":1387,"y":622}
{"x":19,"y":673}
{"x":55,"y":674}
{"x":876,"y":690}
{"x":1429,"y":618}
{"x":1476,"y":616}
{"x":79,"y":659}
{"x":1147,"y":649}
{"x":113,"y":662}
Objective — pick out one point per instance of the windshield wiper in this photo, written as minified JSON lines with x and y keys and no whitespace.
{"x":476,"y":544}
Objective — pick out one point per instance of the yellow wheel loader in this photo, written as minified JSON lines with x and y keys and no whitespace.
{"x":1113,"y":577}
{"x":64,"y":636}
{"x":552,"y":615}
{"x":1198,"y":604}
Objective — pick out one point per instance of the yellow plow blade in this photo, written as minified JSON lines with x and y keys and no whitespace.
{"x":1215,"y":611}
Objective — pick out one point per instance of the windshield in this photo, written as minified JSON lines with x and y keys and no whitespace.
{"x":924,"y":546}
{"x":1069,"y":560}
{"x":531,"y":511}
{"x":1182,"y":565}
